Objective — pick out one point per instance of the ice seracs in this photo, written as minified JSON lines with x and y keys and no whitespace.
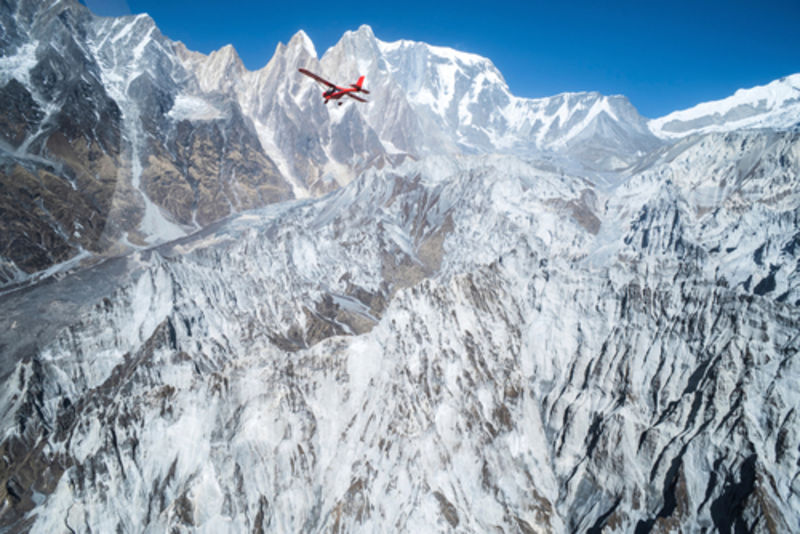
{"x":452,"y":331}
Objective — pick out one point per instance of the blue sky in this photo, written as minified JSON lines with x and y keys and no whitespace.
{"x":662,"y":55}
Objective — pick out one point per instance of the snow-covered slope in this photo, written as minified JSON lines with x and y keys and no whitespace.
{"x":775,"y":105}
{"x":156,"y":141}
{"x":502,"y":314}
{"x":460,"y":102}
{"x":467,"y":343}
{"x":424,"y":100}
{"x":317,"y":149}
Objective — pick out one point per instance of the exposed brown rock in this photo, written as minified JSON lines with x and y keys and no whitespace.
{"x":212,"y":170}
{"x":447,"y":509}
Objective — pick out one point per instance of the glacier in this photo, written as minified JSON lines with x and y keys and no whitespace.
{"x":486,"y":313}
{"x":446,"y":345}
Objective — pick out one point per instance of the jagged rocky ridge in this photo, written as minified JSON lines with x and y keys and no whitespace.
{"x":116,"y":138}
{"x":522,"y":342}
{"x":460,"y":344}
{"x":105,"y":146}
{"x":776,"y":104}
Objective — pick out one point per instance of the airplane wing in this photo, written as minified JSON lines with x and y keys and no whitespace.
{"x":318,"y":78}
{"x":351,"y":95}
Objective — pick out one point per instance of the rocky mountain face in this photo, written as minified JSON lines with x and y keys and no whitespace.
{"x":506,"y":315}
{"x":106,"y":145}
{"x":454,"y":345}
{"x":116,"y":138}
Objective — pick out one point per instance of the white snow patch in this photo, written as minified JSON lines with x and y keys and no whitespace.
{"x":266,"y":137}
{"x":193,"y":108}
{"x":19,"y":65}
{"x":363,"y":364}
{"x":441,"y":51}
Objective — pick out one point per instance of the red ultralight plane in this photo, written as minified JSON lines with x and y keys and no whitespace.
{"x":335,"y":92}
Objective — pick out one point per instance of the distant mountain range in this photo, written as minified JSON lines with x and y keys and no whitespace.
{"x":775,"y":105}
{"x":124,"y":138}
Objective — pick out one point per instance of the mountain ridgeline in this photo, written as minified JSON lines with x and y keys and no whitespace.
{"x":227,"y":307}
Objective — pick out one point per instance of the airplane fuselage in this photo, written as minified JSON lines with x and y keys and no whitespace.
{"x":335,"y":92}
{"x":339,"y":92}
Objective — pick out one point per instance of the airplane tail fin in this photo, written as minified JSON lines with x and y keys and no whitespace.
{"x":358,"y":85}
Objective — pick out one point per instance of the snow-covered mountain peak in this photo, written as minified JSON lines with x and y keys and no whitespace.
{"x":301,"y":40}
{"x":216,"y":71}
{"x":357,"y":50}
{"x":298,"y":49}
{"x":774,"y":105}
{"x":298,"y":52}
{"x":775,"y":93}
{"x":437,"y":64}
{"x":462,"y":103}
{"x":364,"y":31}
{"x":458,"y":56}
{"x":363,"y":34}
{"x":590,"y":105}
{"x":140,"y":26}
{"x":226,"y":55}
{"x":226,"y":58}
